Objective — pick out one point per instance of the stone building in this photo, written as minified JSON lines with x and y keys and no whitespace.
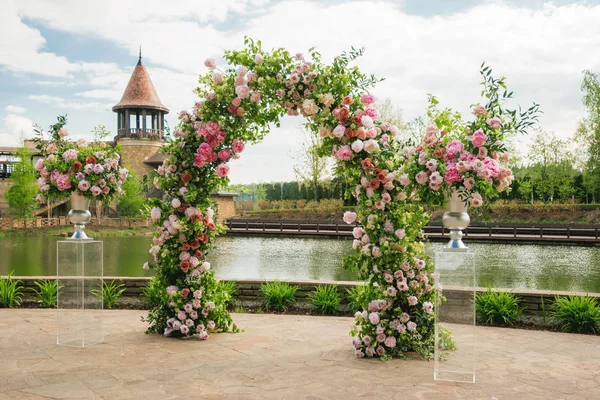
{"x":140,"y":133}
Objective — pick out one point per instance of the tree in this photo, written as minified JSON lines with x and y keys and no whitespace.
{"x":131,"y":202}
{"x":311,"y":167}
{"x":588,"y":133}
{"x":100,"y":132}
{"x":22,"y":192}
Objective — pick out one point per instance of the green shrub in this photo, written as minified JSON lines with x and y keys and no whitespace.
{"x":325,"y":299}
{"x":111,"y":294}
{"x":226,"y":290}
{"x":46,"y":293}
{"x":278,"y":295}
{"x":11,"y":292}
{"x":360,"y":296}
{"x":155,"y":295}
{"x":497,"y":307}
{"x":577,"y":313}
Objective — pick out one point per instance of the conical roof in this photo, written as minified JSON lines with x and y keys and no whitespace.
{"x":140,"y":91}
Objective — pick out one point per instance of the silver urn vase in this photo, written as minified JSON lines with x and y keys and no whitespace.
{"x":455,"y":219}
{"x":79,"y":215}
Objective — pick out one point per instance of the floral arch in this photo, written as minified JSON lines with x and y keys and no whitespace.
{"x":237,"y":106}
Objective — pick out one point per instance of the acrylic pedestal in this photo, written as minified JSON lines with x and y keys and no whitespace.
{"x":455,"y":316}
{"x":79,"y":273}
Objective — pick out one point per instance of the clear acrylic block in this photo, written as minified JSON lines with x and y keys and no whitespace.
{"x":79,"y":272}
{"x":455,"y":316}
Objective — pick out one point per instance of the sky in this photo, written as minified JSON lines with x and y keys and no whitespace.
{"x":75,"y":57}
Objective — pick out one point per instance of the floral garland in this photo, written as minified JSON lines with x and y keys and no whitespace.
{"x":92,"y":169}
{"x":236,"y":106}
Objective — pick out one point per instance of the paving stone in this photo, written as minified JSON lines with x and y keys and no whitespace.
{"x":280,"y":357}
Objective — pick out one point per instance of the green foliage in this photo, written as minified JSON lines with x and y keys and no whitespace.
{"x":111,"y":294}
{"x":131,"y":203}
{"x":445,"y":339}
{"x":325,"y":299}
{"x":226,"y":290}
{"x":46,"y":293}
{"x":11,"y":292}
{"x":23,"y":190}
{"x":100,"y":133}
{"x":577,"y":313}
{"x":278,"y":295}
{"x":497,"y":307}
{"x":360,"y":296}
{"x":154,"y":293}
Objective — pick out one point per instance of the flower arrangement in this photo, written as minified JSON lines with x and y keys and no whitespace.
{"x":237,"y":105}
{"x":92,"y":169}
{"x":467,"y":157}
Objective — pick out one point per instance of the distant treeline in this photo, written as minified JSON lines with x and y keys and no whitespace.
{"x":293,"y":190}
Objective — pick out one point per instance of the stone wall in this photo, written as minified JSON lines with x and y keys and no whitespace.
{"x":226,"y":206}
{"x":249,"y":295}
{"x":4,"y":185}
{"x":136,"y":151}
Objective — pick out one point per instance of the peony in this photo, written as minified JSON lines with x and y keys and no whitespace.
{"x":70,"y":155}
{"x":344,"y":153}
{"x":367,"y":99}
{"x":217,"y":77}
{"x":222,"y":170}
{"x":327,"y":99}
{"x":367,"y":121}
{"x":310,"y":107}
{"x":210,"y":63}
{"x":454,"y":148}
{"x":242,"y":91}
{"x":478,"y":138}
{"x":494,"y":122}
{"x":339,"y":131}
{"x":371,"y":146}
{"x":349,"y":217}
{"x":224,"y":154}
{"x":479,"y":111}
{"x":357,"y":146}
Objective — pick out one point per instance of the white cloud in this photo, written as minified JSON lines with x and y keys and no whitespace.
{"x":15,"y":109}
{"x":61,"y":103}
{"x":542,"y":51}
{"x":16,"y":129}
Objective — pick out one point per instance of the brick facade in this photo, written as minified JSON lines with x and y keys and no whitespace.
{"x":136,"y":151}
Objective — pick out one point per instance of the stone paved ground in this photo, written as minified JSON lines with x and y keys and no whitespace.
{"x":278,"y":357}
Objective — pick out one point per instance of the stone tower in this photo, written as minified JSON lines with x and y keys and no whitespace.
{"x":140,"y":121}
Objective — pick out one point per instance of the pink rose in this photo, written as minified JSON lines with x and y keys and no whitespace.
{"x":344,"y":153}
{"x":222,"y":170}
{"x":210,"y":63}
{"x":367,"y":121}
{"x":155,"y":213}
{"x":411,"y":326}
{"x":83,"y":186}
{"x":258,"y":59}
{"x":494,"y":122}
{"x":349,"y":217}
{"x":453,"y":148}
{"x":224,"y":154}
{"x":357,"y":146}
{"x":478,"y":139}
{"x":255,"y":97}
{"x":217,"y":77}
{"x":95,"y":190}
{"x":238,"y":146}
{"x":367,"y":99}
{"x":400,"y":233}
{"x":370,"y":146}
{"x":421,"y":178}
{"x":339,"y":131}
{"x":242,"y":91}
{"x":374,"y":318}
{"x":479,"y":111}
{"x":63,"y":132}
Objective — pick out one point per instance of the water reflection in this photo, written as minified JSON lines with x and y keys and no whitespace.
{"x":498,"y":265}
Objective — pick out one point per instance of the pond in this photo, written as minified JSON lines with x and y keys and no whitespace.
{"x":498,"y":265}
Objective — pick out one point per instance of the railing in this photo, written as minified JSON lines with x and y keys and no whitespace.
{"x":14,"y":223}
{"x":545,"y":232}
{"x":138,"y":133}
